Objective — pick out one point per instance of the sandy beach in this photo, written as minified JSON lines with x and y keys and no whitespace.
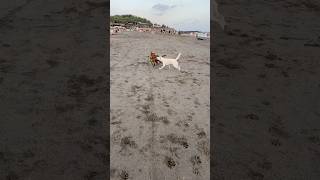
{"x":54,"y":78}
{"x":266,"y":102}
{"x":53,"y":83}
{"x":159,"y":121}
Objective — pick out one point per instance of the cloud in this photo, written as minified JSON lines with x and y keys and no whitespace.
{"x":181,"y":15}
{"x":192,"y":24}
{"x":160,"y":9}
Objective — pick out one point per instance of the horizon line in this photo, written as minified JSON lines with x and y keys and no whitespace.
{"x":153,"y":22}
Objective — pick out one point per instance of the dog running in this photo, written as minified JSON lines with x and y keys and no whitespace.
{"x":167,"y":61}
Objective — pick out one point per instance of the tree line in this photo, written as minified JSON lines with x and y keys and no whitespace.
{"x":124,"y":19}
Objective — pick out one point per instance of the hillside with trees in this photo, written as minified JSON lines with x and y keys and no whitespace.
{"x":124,"y":19}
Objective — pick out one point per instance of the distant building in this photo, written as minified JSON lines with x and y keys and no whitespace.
{"x":130,"y":25}
{"x":116,"y":24}
{"x":156,"y":26}
{"x":147,"y":29}
{"x":143,"y":25}
{"x":188,"y":33}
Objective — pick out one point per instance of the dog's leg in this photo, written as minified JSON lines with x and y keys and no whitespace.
{"x":176,"y":65}
{"x":162,"y":66}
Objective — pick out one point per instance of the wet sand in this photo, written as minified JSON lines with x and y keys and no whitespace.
{"x":159,"y":118}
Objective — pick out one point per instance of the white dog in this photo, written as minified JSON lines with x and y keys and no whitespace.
{"x":167,"y":61}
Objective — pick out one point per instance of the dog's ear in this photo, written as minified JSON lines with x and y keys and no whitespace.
{"x":164,"y":55}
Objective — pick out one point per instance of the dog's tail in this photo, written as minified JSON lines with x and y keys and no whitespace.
{"x":178,"y":56}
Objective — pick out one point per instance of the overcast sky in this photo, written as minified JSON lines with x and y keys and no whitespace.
{"x":180,"y":14}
